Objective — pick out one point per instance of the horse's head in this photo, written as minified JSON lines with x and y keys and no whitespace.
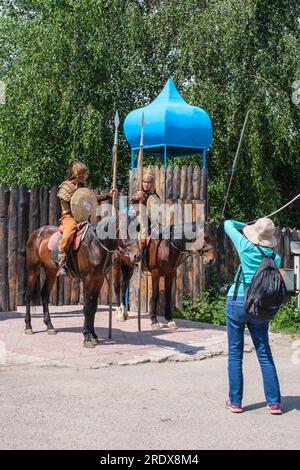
{"x":208,"y":250}
{"x":130,"y":252}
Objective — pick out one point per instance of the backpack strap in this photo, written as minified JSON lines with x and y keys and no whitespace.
{"x":264,"y":254}
{"x":237,"y":282}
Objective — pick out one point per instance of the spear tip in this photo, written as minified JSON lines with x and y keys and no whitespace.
{"x":117,"y":120}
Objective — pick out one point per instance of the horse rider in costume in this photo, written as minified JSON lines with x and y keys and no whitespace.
{"x":150,"y":199}
{"x":78,"y":178}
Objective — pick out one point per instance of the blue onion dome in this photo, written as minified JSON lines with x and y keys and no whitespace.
{"x":170,"y":121}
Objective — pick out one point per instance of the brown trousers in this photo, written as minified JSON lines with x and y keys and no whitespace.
{"x":69,"y":228}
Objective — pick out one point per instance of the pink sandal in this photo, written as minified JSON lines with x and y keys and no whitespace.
{"x":274,"y":409}
{"x":233,"y":408}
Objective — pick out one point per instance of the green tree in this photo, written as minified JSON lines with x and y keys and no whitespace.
{"x":69,"y":64}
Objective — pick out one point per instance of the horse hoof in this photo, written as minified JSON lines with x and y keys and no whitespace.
{"x":28,"y":331}
{"x":88,"y":344}
{"x":172,"y":325}
{"x":51,"y":331}
{"x":119,"y":318}
{"x":121,"y":314}
{"x":155,"y":326}
{"x":95,"y":341}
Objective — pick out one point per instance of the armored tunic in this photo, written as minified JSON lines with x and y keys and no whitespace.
{"x":65,"y":193}
{"x":152,"y":202}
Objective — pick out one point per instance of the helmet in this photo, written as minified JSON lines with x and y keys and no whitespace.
{"x":148,"y":174}
{"x":78,"y":170}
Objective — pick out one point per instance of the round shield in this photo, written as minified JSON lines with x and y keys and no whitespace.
{"x":83,"y":204}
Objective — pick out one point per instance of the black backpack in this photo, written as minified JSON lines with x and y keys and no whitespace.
{"x":267,"y":291}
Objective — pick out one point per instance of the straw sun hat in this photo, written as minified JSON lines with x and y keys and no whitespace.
{"x":261,"y":233}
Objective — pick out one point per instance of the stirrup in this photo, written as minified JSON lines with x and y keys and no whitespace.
{"x":62,"y":271}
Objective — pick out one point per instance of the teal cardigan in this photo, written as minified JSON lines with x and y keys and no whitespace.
{"x":249,"y":255}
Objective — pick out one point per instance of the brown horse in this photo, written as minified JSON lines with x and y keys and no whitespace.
{"x":94,"y":258}
{"x":122,"y":273}
{"x":162,"y":258}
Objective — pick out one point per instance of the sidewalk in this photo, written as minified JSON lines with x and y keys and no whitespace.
{"x":192,"y":340}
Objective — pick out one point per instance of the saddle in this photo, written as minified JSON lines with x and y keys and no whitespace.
{"x":82,"y":229}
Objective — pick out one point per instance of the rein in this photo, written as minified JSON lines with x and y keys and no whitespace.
{"x":106,"y":249}
{"x":203,"y":250}
{"x":276,"y":212}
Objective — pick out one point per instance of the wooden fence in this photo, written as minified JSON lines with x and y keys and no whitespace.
{"x":23,"y":211}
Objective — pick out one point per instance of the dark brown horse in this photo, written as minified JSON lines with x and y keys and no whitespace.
{"x":162,"y":258}
{"x":94,"y":258}
{"x":122,"y":273}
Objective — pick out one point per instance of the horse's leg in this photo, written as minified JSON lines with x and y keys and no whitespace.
{"x":169,"y":278}
{"x":31,"y":290}
{"x":48,"y":284}
{"x":127,"y":273}
{"x":88,"y":310}
{"x":154,"y":299}
{"x":117,"y":287}
{"x":97,"y":287}
{"x":92,"y":286}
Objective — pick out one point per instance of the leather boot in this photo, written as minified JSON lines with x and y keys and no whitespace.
{"x":62,"y":264}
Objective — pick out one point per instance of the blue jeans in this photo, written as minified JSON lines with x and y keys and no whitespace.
{"x":236,"y":319}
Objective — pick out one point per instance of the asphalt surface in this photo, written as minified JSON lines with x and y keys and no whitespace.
{"x":172,"y":405}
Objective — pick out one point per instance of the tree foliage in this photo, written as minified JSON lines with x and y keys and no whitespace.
{"x":69,"y":64}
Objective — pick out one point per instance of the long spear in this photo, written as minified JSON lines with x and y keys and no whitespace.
{"x":235,"y":160}
{"x":140,"y":188}
{"x":114,"y":186}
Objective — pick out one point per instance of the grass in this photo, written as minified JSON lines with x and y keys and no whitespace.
{"x":209,"y":307}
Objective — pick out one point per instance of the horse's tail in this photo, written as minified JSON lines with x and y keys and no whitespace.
{"x":33,"y":284}
{"x":36,"y":294}
{"x":33,"y":293}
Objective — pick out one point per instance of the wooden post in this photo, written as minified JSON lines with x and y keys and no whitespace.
{"x":34,"y":209}
{"x":180,"y":272}
{"x":183,"y":183}
{"x":23,"y":226}
{"x":34,"y":217}
{"x":196,"y":182}
{"x":44,"y":206}
{"x":81,"y":294}
{"x":176,"y":182}
{"x":189,"y":193}
{"x":196,"y":276}
{"x":54,"y":211}
{"x":13,"y":247}
{"x":133,"y":182}
{"x":4,"y":288}
{"x":169,"y":183}
{"x":54,"y":208}
{"x":162,"y":185}
{"x":67,"y":290}
{"x":287,"y":248}
{"x":61,"y":291}
{"x":203,"y":190}
{"x":158,"y":189}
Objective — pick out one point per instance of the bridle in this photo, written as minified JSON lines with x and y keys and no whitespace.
{"x":188,"y":252}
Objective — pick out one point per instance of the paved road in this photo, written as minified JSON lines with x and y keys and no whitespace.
{"x":128,"y":346}
{"x":146,"y":406}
